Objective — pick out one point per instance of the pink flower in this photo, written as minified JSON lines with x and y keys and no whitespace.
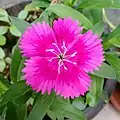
{"x":59,"y":58}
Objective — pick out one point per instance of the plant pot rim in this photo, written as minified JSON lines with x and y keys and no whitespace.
{"x":110,"y":84}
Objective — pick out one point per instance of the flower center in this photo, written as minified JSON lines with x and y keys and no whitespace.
{"x":60,"y":54}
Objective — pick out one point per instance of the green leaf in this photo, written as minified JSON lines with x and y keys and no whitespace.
{"x":43,"y":16}
{"x":3,"y":12}
{"x":16,"y":59}
{"x":115,"y":41}
{"x":14,"y":31}
{"x":115,"y":64}
{"x":91,"y":100}
{"x":113,"y":35}
{"x":21,"y":25}
{"x":94,"y":15}
{"x":98,"y":28}
{"x":15,"y":91}
{"x":3,"y":86}
{"x":2,"y":65}
{"x":2,"y":53}
{"x":100,"y":4}
{"x":97,"y":15}
{"x":106,"y":71}
{"x":40,"y":3}
{"x":97,"y":86}
{"x":4,"y":15}
{"x":23,"y":14}
{"x":51,"y":115}
{"x":44,"y":102}
{"x":66,"y":11}
{"x":79,"y":103}
{"x":3,"y":29}
{"x":21,"y":66}
{"x":11,"y":113}
{"x":63,"y":108}
{"x":2,"y":40}
{"x":21,"y":111}
{"x":8,"y":60}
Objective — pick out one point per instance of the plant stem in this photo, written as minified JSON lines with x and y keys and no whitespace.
{"x":106,"y":19}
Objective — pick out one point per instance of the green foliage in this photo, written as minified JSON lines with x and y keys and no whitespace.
{"x":44,"y":102}
{"x":16,"y":97}
{"x":100,"y":4}
{"x":115,"y":63}
{"x":105,"y":71}
{"x":65,"y":11}
{"x":63,"y":108}
{"x":16,"y":59}
{"x":95,"y":91}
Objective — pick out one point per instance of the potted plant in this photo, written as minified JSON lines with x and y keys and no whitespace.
{"x":50,"y":21}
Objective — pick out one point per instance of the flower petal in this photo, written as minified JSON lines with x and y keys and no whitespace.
{"x":89,"y":52}
{"x":43,"y":76}
{"x":66,"y":30}
{"x":40,"y":74}
{"x":36,"y":40}
{"x":72,"y":82}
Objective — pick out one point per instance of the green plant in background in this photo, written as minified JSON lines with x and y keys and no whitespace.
{"x":17,"y":100}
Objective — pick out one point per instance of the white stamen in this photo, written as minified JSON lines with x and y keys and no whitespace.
{"x":60,"y":63}
{"x":64,"y":47}
{"x":72,"y":55}
{"x":52,"y":59}
{"x":52,"y":51}
{"x":57,"y":47}
{"x":65,"y":67}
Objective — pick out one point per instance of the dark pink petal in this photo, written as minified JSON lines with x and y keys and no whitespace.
{"x":43,"y":76}
{"x":66,"y":30}
{"x":36,"y":40}
{"x":89,"y":52}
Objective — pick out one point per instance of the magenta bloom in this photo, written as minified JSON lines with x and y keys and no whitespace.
{"x":60,"y":57}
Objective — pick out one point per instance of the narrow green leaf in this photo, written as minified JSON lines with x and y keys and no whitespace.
{"x":2,"y":65}
{"x":100,"y":4}
{"x":106,"y":71}
{"x":14,"y":31}
{"x":115,"y":41}
{"x":23,"y":14}
{"x":3,"y":29}
{"x":15,"y":91}
{"x":66,"y":11}
{"x":21,"y":111}
{"x":79,"y":103}
{"x":21,"y":25}
{"x":115,"y":63}
{"x":51,"y":115}
{"x":44,"y":102}
{"x":21,"y":66}
{"x":98,"y":28}
{"x":2,"y":53}
{"x":111,"y":37}
{"x":97,"y":86}
{"x":11,"y":113}
{"x":63,"y":108}
{"x":16,"y":59}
